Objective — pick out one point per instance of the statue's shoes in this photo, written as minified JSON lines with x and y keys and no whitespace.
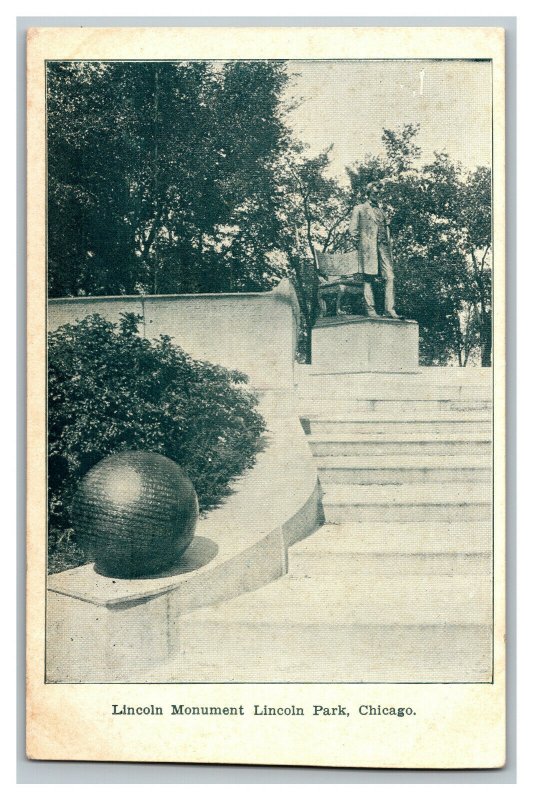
{"x":392,"y":315}
{"x":372,"y":313}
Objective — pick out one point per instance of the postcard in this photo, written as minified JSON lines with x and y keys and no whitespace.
{"x":266,"y":396}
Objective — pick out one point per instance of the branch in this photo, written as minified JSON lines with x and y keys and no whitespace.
{"x":309,"y":220}
{"x":147,"y":241}
{"x":485,"y":254}
{"x":329,"y":234}
{"x":474,"y":260}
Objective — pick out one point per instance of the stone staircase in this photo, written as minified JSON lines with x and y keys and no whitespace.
{"x":396,"y":586}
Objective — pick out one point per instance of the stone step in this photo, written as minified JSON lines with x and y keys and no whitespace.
{"x":353,"y":550}
{"x":325,"y":564}
{"x":411,"y":494}
{"x":384,"y":600}
{"x":395,"y":390}
{"x":378,"y":628}
{"x":408,"y":414}
{"x":415,"y":501}
{"x":407,"y":461}
{"x":323,"y":406}
{"x":435,"y":376}
{"x":391,"y":538}
{"x":376,"y":426}
{"x":328,"y":653}
{"x":404,"y":468}
{"x":461,"y":375}
{"x":367,"y":515}
{"x":365,"y":476}
{"x":476,"y":443}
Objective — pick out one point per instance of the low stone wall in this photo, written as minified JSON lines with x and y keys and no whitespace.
{"x":253,"y":332}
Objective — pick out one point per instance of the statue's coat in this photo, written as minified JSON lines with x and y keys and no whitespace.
{"x":368,"y":226}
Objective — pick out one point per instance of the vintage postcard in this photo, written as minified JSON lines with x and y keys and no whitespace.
{"x":266,"y":387}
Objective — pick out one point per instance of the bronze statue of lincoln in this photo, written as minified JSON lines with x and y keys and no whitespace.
{"x":370,"y":231}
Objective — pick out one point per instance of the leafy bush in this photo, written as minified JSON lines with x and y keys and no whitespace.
{"x":110,"y":390}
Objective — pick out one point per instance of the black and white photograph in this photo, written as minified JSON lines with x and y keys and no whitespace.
{"x":270,"y":383}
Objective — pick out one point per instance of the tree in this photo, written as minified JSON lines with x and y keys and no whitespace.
{"x":162,"y":175}
{"x":440,"y":221}
{"x":314,"y":213}
{"x":475,"y":218}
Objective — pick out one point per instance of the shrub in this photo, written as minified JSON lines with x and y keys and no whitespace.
{"x":111,"y":390}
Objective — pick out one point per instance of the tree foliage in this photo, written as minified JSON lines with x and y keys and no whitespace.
{"x":111,"y":390}
{"x":162,"y":175}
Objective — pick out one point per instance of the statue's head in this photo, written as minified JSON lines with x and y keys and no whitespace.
{"x":371,"y":193}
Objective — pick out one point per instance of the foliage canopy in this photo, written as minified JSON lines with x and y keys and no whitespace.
{"x":161,"y":175}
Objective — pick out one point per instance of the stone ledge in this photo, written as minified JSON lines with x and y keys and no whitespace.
{"x":248,"y":525}
{"x":326,"y":322}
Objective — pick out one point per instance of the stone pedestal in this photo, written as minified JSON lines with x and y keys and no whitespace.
{"x":364,"y":344}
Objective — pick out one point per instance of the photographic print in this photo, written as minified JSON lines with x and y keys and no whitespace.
{"x":267,"y":394}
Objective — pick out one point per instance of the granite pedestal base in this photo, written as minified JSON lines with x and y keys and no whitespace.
{"x":364,"y":344}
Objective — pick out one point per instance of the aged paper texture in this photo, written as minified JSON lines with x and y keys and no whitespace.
{"x":266,"y":396}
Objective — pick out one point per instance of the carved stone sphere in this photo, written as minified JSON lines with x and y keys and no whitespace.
{"x":134,"y":514}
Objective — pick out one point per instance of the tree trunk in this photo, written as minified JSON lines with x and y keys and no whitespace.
{"x":485,"y":334}
{"x":308,"y":305}
{"x":307,"y":350}
{"x":485,"y":316}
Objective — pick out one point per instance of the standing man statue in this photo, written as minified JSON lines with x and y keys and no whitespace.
{"x":370,"y":230}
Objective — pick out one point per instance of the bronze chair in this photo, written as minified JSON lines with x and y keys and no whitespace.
{"x":340,"y":276}
{"x":338,"y":287}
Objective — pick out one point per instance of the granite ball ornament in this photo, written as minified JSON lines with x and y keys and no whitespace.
{"x":134,"y":514}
